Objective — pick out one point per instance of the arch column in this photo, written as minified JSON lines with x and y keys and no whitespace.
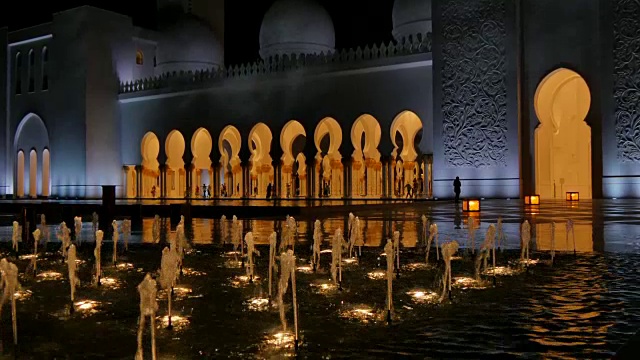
{"x":163,"y":181}
{"x":346,"y":178}
{"x":138,"y":181}
{"x":188,"y":181}
{"x":277,"y":179}
{"x":215,"y":179}
{"x":385,"y":177}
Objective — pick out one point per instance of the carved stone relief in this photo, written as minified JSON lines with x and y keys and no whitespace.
{"x":474,"y":91}
{"x":626,"y":63}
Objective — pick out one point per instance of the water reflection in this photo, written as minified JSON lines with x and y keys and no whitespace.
{"x":565,"y":241}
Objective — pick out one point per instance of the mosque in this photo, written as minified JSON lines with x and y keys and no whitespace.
{"x":515,"y":97}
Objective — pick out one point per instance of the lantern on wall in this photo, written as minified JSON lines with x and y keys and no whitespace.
{"x":573,"y":196}
{"x":532,"y":200}
{"x":471,"y":205}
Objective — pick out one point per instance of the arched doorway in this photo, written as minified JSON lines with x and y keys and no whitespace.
{"x":149,"y":149}
{"x":294,"y":167}
{"x":329,"y":169}
{"x":20,"y":174}
{"x":32,"y":134}
{"x":261,"y":169}
{"x":176,"y":174}
{"x":46,"y":166}
{"x":33,"y":173}
{"x":406,"y":132}
{"x":201,"y":146}
{"x":563,"y":139}
{"x":229,"y":145}
{"x":366,"y":166}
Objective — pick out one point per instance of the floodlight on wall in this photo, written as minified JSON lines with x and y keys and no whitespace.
{"x":532,"y":200}
{"x":471,"y":205}
{"x":573,"y":196}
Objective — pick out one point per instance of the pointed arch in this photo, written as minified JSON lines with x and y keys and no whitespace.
{"x":174,"y":147}
{"x":201,"y":146}
{"x":33,"y":173}
{"x":408,"y":125}
{"x":261,"y":171}
{"x":229,"y":145}
{"x":150,"y":149}
{"x":329,"y":169}
{"x":294,"y":170}
{"x":366,"y":167}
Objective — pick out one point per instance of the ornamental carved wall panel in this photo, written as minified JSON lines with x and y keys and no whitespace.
{"x":474,"y":90}
{"x":626,"y":76}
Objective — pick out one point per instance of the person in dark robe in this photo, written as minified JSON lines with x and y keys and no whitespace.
{"x":269,"y":191}
{"x":456,"y":188}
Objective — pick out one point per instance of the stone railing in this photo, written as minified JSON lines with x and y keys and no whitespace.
{"x":276,"y":64}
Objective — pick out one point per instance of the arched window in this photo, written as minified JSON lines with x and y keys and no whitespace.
{"x":139,"y":57}
{"x":45,"y":73}
{"x":18,"y":75}
{"x":32,"y":62}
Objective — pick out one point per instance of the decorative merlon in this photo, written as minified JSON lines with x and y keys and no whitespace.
{"x":276,"y":64}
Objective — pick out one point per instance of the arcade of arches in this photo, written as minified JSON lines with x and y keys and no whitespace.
{"x":32,"y":161}
{"x":297,"y":173}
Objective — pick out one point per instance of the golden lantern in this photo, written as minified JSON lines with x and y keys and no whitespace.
{"x":471,"y":205}
{"x":532,"y":200}
{"x":573,"y":196}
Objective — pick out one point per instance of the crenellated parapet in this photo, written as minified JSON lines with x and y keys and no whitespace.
{"x":277,"y":64}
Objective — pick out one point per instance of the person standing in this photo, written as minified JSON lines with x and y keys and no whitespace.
{"x":456,"y":188}
{"x":269,"y":191}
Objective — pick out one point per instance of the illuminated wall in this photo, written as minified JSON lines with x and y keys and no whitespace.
{"x":6,"y":180}
{"x":621,"y":144}
{"x":475,"y":98}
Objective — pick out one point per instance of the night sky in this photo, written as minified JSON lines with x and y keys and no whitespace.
{"x":356,"y":22}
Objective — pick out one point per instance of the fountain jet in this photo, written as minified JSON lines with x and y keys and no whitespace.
{"x":97,"y":254}
{"x":448,"y":250}
{"x":168,"y":275}
{"x":148,"y":307}
{"x":251,"y":250}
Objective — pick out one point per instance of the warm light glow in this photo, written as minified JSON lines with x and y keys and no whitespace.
{"x":305,"y":269}
{"x":257,"y":304}
{"x":573,"y":196}
{"x":362,"y":313}
{"x":87,"y":307}
{"x":377,"y":275}
{"x":243,"y":280}
{"x":49,"y":275}
{"x":110,"y":283}
{"x":500,"y":271}
{"x":467,"y":283}
{"x":416,"y":266}
{"x":326,"y":251}
{"x":178,"y":322}
{"x":420,"y":296}
{"x":28,"y":257}
{"x":192,"y":272}
{"x":125,"y":266}
{"x":350,"y":261}
{"x":471,"y":205}
{"x":532,"y":200}
{"x":324,"y":287}
{"x":282,"y":340}
{"x":22,"y":294}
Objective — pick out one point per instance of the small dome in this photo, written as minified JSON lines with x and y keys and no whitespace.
{"x":296,"y":27}
{"x":411,"y":17}
{"x":188,"y":45}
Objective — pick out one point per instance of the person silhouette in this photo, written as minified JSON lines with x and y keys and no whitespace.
{"x":456,"y":188}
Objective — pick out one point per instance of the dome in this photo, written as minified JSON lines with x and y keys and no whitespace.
{"x":188,"y":45}
{"x":411,"y":17}
{"x":296,"y":27}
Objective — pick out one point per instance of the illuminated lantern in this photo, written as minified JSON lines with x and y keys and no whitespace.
{"x":532,"y":200}
{"x":471,"y":205}
{"x":573,"y":196}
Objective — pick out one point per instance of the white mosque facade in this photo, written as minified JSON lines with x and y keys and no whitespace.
{"x":497,"y":92}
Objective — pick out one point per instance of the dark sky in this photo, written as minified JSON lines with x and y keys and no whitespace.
{"x":357,"y":22}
